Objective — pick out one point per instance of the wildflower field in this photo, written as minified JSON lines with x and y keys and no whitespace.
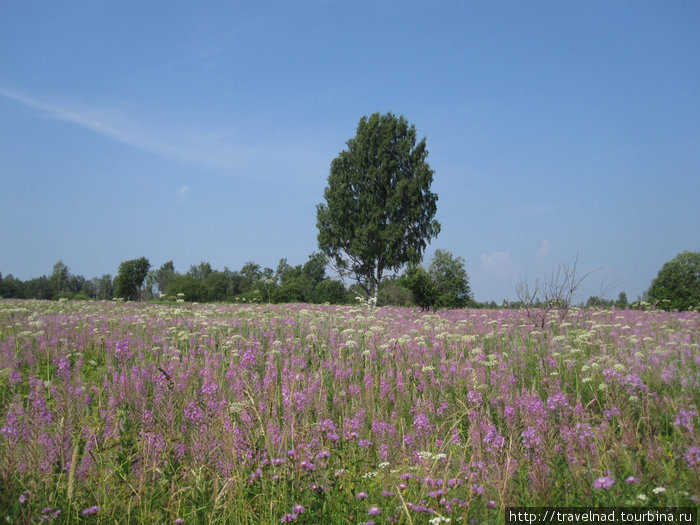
{"x":116,"y":412}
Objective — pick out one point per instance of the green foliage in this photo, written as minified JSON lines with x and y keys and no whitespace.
{"x":130,"y":278}
{"x":379,"y":210}
{"x":393,"y":293}
{"x":677,"y":285}
{"x":201,"y":271}
{"x":38,"y":288}
{"x":418,"y":281}
{"x":330,"y":291}
{"x":622,"y":301}
{"x":163,"y":276}
{"x":105,"y":287}
{"x":450,"y":279}
{"x":187,"y":287}
{"x":59,"y":278}
{"x":11,"y":288}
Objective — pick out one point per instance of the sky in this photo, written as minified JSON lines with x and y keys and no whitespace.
{"x":204,"y":131}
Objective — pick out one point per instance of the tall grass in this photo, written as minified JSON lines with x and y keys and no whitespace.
{"x":124,"y":412}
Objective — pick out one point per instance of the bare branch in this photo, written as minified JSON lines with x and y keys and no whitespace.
{"x":554,"y":294}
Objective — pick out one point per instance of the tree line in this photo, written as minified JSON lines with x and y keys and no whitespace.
{"x":445,"y":284}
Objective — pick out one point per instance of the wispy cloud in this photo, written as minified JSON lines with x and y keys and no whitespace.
{"x":545,"y":248}
{"x":182,"y":193}
{"x":110,"y":123}
{"x":222,"y":149}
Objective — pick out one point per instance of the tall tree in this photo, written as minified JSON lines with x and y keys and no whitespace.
{"x":128,"y":282}
{"x":379,"y":210}
{"x":677,"y":285}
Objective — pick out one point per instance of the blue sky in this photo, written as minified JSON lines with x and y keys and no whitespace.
{"x":204,"y":131}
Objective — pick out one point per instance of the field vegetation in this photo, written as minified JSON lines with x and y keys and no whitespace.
{"x":114,"y":412}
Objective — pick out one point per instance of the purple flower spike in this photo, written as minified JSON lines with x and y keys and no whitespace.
{"x":91,"y":510}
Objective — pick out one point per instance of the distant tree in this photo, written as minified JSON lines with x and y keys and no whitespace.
{"x":105,"y":287}
{"x":130,"y":278}
{"x":282,"y":267}
{"x":200,"y":272}
{"x":330,"y":291}
{"x":59,"y":278}
{"x":76,"y":284}
{"x":622,"y":301}
{"x":191,"y":289}
{"x":163,"y":276}
{"x":250,"y":274}
{"x":598,"y":302}
{"x":233,"y":282}
{"x":418,"y":281}
{"x":216,"y":286}
{"x":315,"y":267}
{"x":677,"y":285}
{"x":379,"y":210}
{"x":292,"y":290}
{"x":450,"y":279}
{"x":393,"y":292}
{"x":11,"y":288}
{"x":38,"y":288}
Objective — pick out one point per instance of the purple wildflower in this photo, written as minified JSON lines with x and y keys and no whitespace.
{"x":685,"y":419}
{"x":603,"y":483}
{"x":692,"y":457}
{"x":288,"y":518}
{"x":91,"y":510}
{"x":361,"y":495}
{"x":632,"y":480}
{"x":475,"y":398}
{"x":298,"y":509}
{"x":374,"y":511}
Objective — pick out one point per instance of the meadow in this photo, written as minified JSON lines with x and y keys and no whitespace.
{"x":115,"y":412}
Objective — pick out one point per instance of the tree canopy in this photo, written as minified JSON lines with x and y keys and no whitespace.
{"x":128,"y":282}
{"x":677,"y":285}
{"x":450,"y":279}
{"x":379,"y":211}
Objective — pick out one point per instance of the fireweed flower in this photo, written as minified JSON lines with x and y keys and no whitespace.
{"x":692,"y":457}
